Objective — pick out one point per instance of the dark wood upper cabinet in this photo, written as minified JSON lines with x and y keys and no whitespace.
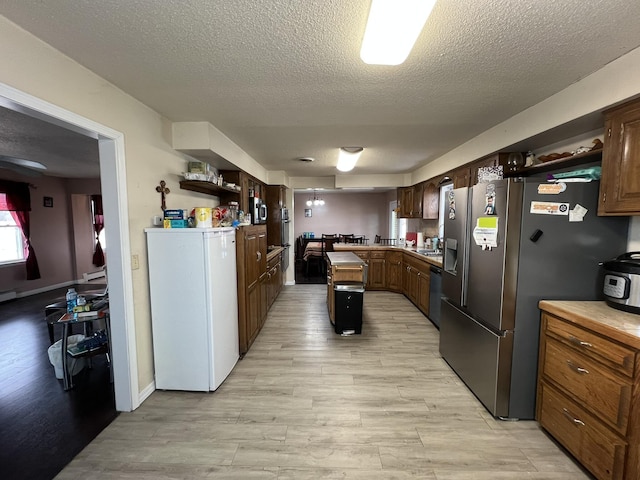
{"x":620,"y":183}
{"x":430,"y":201}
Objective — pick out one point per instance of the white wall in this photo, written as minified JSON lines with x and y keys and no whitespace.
{"x":33,"y":67}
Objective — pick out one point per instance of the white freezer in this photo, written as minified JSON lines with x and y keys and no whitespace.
{"x":194,"y":307}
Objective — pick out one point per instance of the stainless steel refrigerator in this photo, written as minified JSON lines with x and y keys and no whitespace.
{"x":507,"y":245}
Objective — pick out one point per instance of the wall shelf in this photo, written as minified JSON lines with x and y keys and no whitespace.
{"x":208,"y":188}
{"x":565,"y":162}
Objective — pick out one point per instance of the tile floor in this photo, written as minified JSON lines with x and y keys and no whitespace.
{"x":305,"y":403}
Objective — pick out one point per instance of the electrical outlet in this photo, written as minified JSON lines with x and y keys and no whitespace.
{"x":135,"y":262}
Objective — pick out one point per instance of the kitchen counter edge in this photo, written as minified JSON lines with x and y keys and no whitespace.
{"x":436,"y":261}
{"x":598,"y":317}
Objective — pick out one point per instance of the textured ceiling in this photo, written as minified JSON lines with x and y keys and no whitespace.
{"x":283,"y":78}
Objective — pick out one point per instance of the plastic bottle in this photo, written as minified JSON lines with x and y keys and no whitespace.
{"x":72,"y":298}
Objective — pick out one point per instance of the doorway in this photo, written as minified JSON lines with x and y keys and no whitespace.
{"x":113,"y":183}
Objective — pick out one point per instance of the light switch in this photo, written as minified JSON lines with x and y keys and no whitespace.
{"x":135,"y":262}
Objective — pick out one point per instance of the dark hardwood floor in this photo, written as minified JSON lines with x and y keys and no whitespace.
{"x":42,"y":426}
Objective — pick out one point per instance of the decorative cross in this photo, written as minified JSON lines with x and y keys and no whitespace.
{"x":163,"y":190}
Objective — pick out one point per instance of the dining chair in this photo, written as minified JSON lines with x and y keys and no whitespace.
{"x":346,"y":237}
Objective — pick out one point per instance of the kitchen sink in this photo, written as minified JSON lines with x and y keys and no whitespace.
{"x":430,"y":253}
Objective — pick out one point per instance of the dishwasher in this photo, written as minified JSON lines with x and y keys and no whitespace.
{"x":435,"y":292}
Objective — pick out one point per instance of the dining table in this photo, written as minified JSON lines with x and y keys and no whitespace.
{"x":313,"y":249}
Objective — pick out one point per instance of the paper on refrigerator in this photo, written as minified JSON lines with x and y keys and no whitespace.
{"x":485,"y":233}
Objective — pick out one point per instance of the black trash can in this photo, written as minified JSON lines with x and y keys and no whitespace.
{"x":348,"y":308}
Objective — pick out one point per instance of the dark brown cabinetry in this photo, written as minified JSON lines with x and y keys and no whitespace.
{"x":274,"y":279}
{"x":410,"y":201}
{"x":275,"y":196}
{"x":364,"y":255}
{"x":248,"y":184}
{"x":620,"y":184}
{"x":416,"y":280}
{"x":489,"y":161}
{"x":430,"y":201}
{"x":588,"y":384}
{"x":251,"y":264}
{"x":377,"y":270}
{"x":461,"y":177}
{"x":394,"y":271}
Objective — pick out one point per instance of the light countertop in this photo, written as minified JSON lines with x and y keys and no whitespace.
{"x":344,"y":247}
{"x":598,"y":317}
{"x":344,"y":258}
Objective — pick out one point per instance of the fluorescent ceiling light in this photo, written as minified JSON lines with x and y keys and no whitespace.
{"x":348,"y":158}
{"x":392,"y":30}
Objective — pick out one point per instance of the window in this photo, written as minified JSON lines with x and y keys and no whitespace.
{"x":11,"y":241}
{"x":397,"y":226}
{"x":444,"y":207}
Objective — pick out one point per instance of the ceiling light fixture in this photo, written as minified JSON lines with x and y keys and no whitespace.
{"x":348,"y":157}
{"x":315,"y":201}
{"x":392,"y":30}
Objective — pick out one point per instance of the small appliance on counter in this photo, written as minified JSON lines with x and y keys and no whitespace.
{"x":621,"y":286}
{"x":258,"y":210}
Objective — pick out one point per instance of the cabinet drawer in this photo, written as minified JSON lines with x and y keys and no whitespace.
{"x":374,"y":254}
{"x":347,"y":274}
{"x":603,"y":350}
{"x":600,"y":390}
{"x":596,"y":447}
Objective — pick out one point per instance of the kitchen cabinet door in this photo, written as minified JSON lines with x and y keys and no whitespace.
{"x":377,"y":272}
{"x":423,"y":290}
{"x":416,"y":203}
{"x":620,"y":184}
{"x":461,"y":177}
{"x":251,"y":255}
{"x":410,"y":282}
{"x":394,"y":271}
{"x":430,"y":201}
{"x":405,"y":202}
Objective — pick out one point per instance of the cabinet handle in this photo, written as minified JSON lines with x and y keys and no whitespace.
{"x":581,"y":370}
{"x":259,"y":255}
{"x":580,"y":343}
{"x":577,"y":421}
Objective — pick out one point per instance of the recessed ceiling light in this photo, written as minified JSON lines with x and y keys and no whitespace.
{"x":348,"y":157}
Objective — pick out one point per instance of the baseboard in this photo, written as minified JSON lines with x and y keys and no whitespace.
{"x":94,"y":275}
{"x":5,"y":296}
{"x":45,"y":289}
{"x":146,"y":393}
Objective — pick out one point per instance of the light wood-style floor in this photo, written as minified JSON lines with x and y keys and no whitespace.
{"x":306,"y":403}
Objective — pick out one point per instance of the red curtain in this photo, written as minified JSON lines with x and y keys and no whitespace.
{"x":17,"y":200}
{"x":98,"y":225}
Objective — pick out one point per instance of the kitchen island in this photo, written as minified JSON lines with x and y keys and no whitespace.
{"x":400,"y":269}
{"x":343,"y":268}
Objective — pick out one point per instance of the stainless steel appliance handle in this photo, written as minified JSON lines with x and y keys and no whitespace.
{"x":575,"y":368}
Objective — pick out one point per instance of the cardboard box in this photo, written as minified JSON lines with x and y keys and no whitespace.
{"x":175,"y":214}
{"x":168,"y":223}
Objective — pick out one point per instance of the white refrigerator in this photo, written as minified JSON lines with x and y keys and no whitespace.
{"x":194,"y":307}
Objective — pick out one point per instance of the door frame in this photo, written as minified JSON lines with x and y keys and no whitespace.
{"x":113,"y":182}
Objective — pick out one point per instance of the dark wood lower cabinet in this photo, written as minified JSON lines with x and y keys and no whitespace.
{"x":588,"y":385}
{"x":394,"y":271}
{"x":256,"y":290}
